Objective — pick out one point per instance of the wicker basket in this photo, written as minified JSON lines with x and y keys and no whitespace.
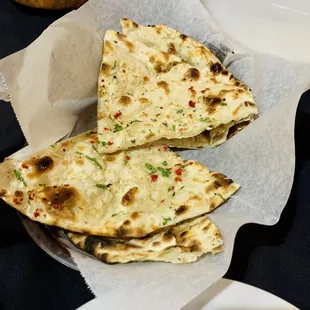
{"x":52,"y":4}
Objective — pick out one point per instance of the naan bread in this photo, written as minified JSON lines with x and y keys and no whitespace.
{"x":126,"y":194}
{"x":166,"y":39}
{"x":146,"y":94}
{"x":183,"y":243}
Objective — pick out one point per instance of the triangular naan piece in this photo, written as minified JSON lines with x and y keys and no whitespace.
{"x":146,"y":94}
{"x":126,"y":194}
{"x":183,"y":243}
{"x":169,"y":40}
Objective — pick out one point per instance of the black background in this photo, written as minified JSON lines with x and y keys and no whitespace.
{"x":276,"y":259}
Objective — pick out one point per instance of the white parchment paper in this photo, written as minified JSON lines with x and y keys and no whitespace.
{"x":65,"y":62}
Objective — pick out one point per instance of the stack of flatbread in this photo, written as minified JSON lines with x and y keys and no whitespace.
{"x":120,"y":193}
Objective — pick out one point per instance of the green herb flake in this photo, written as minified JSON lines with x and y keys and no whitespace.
{"x":129,"y":94}
{"x":150,"y":167}
{"x":115,"y":214}
{"x":79,"y":153}
{"x":194,"y":110}
{"x":173,"y":127}
{"x":134,"y":121}
{"x":103,"y":185}
{"x":165,"y":124}
{"x":53,"y":145}
{"x":220,"y":195}
{"x":180,"y":111}
{"x":166,"y":220}
{"x":94,"y":161}
{"x":164,"y":163}
{"x":164,"y":172}
{"x":169,"y":189}
{"x":173,"y":194}
{"x":114,"y":65}
{"x":182,"y":188}
{"x":103,"y":143}
{"x":117,"y":128}
{"x":153,"y":120}
{"x":95,"y":149}
{"x":223,"y":104}
{"x":87,"y":133}
{"x":49,"y":207}
{"x":19,"y":176}
{"x":206,"y":119}
{"x":133,"y":141}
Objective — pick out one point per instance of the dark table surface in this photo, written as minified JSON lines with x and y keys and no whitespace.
{"x":276,"y":259}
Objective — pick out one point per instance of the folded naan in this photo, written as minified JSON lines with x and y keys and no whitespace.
{"x":125,"y":194}
{"x":147,"y":94}
{"x":182,"y":243}
{"x":169,"y":40}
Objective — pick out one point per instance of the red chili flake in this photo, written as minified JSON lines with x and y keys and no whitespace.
{"x":162,"y":201}
{"x":190,"y":163}
{"x":127,"y":157}
{"x":92,"y":141}
{"x":25,"y":166}
{"x":159,"y":149}
{"x":178,"y":164}
{"x":185,"y":161}
{"x":178,"y":179}
{"x":110,"y":143}
{"x":179,"y":171}
{"x":124,"y":70}
{"x":66,"y":185}
{"x":118,"y":114}
{"x":55,"y":206}
{"x":192,"y":87}
{"x":172,"y":187}
{"x":192,"y":104}
{"x":106,"y":128}
{"x":154,"y":177}
{"x":102,"y":81}
{"x":157,"y":114}
{"x":204,"y":90}
{"x":36,"y":213}
{"x":191,"y":80}
{"x":145,"y":78}
{"x":169,"y":169}
{"x":161,"y":108}
{"x":165,"y":148}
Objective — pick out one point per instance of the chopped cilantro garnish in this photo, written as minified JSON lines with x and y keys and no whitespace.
{"x":164,"y":163}
{"x":180,"y":111}
{"x":103,"y":143}
{"x":223,"y":104}
{"x":206,"y":119}
{"x":173,"y":127}
{"x":150,"y":167}
{"x":115,"y":214}
{"x":19,"y":176}
{"x":166,"y":220}
{"x":117,"y":128}
{"x":103,"y":185}
{"x":164,"y":172}
{"x":94,"y":161}
{"x":221,"y":196}
{"x":79,"y":153}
